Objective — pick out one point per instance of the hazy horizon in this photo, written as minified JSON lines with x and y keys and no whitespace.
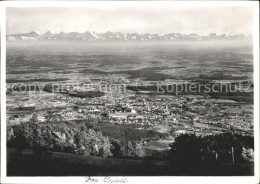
{"x":79,"y":47}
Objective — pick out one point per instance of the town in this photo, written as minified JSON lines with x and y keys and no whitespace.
{"x":175,"y":115}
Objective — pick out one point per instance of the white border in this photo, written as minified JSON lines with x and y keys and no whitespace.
{"x":103,"y":4}
{"x":2,"y":100}
{"x":256,"y":88}
{"x":107,"y":4}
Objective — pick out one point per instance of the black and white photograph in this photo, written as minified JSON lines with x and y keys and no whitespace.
{"x":110,"y":92}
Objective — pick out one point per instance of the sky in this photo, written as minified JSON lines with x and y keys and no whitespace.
{"x":220,"y":20}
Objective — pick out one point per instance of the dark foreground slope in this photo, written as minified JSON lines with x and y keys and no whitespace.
{"x":64,"y":164}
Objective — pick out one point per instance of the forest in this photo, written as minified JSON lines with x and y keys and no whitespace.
{"x":105,"y":140}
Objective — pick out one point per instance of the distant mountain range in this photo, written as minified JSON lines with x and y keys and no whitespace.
{"x":119,"y":36}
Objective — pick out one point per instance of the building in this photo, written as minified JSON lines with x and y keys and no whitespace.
{"x":123,"y":115}
{"x":200,"y":125}
{"x":27,"y":106}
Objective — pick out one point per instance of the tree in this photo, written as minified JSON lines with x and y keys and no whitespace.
{"x":220,"y":148}
{"x":248,"y":154}
{"x":186,"y":149}
{"x":58,"y":137}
